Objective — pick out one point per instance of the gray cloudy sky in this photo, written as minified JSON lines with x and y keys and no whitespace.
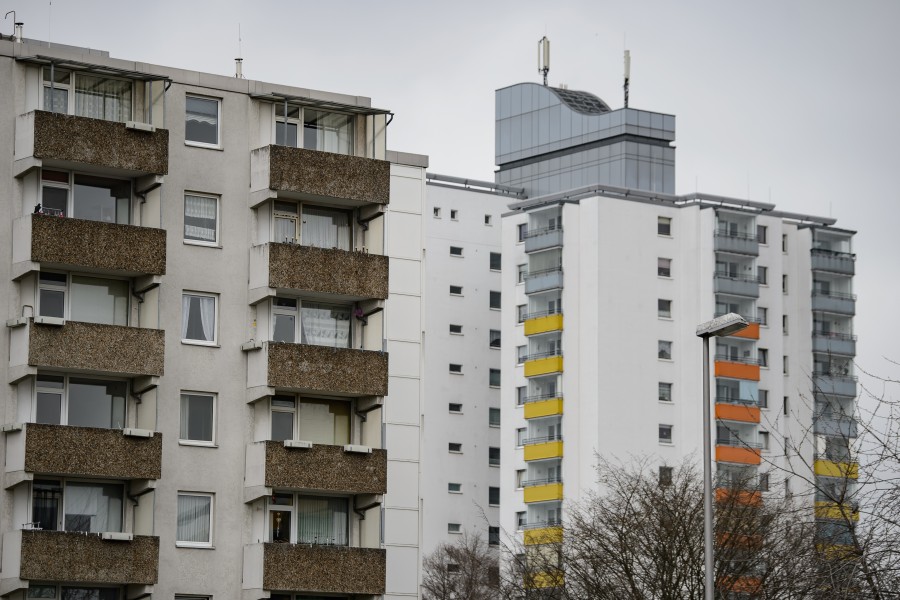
{"x":791,"y":101}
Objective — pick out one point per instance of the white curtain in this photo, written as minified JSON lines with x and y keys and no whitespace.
{"x":193,"y":518}
{"x":324,"y":325}
{"x":198,"y":318}
{"x":322,"y":521}
{"x":325,"y":228}
{"x":93,"y":507}
{"x":200,"y":218}
{"x":100,"y":98}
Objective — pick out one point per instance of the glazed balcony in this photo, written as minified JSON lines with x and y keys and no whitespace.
{"x":85,"y":347}
{"x":843,"y":263}
{"x":543,"y":280}
{"x":847,"y":511}
{"x":307,"y":368}
{"x":75,"y":557}
{"x":337,"y":469}
{"x":63,"y":450}
{"x":737,"y":285}
{"x":736,"y":243}
{"x":835,"y":466}
{"x":543,"y":239}
{"x":282,"y":171}
{"x":834,"y":302}
{"x":834,"y":343}
{"x":292,"y":268}
{"x":833,"y":423}
{"x":314,"y":569}
{"x":49,"y":242}
{"x":835,"y":385}
{"x":68,"y":141}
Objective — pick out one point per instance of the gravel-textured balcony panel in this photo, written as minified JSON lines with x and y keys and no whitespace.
{"x":326,"y":468}
{"x":325,"y":369}
{"x":329,"y":175}
{"x":328,"y":569}
{"x":328,"y":271}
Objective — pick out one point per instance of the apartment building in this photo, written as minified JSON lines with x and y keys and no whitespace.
{"x":213,"y":342}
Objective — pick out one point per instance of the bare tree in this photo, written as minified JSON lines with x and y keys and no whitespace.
{"x":467,"y":569}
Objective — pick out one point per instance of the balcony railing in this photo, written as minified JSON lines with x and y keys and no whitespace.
{"x":543,"y":238}
{"x":736,"y":277}
{"x":539,"y":355}
{"x":542,"y":524}
{"x":541,"y":397}
{"x":541,"y":313}
{"x":545,"y":481}
{"x":720,"y":232}
{"x":736,"y":243}
{"x":543,"y":279}
{"x":834,"y":262}
{"x":734,"y":400}
{"x":539,"y":231}
{"x":737,"y":443}
{"x":542,"y":440}
{"x":744,"y":360}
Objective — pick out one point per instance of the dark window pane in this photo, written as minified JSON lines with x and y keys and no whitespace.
{"x":95,"y":403}
{"x":201,"y":120}
{"x":48,"y":408}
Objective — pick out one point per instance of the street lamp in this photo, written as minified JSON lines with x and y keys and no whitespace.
{"x":718,"y":327}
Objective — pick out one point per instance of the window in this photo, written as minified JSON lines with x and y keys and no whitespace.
{"x":764,"y":482}
{"x":785,"y":406}
{"x":320,"y":520}
{"x":494,"y":338}
{"x":665,"y":392}
{"x":764,"y":440}
{"x":664,"y":308}
{"x":319,"y":324}
{"x":494,"y":456}
{"x":453,"y":528}
{"x":311,"y":225}
{"x":454,"y":447}
{"x":79,"y":401}
{"x":521,"y":393}
{"x":496,"y":261}
{"x":437,"y":212}
{"x":198,"y":318}
{"x":763,"y":357}
{"x":96,"y":96}
{"x":664,"y":267}
{"x":521,"y":273}
{"x":784,"y":324}
{"x":521,"y":231}
{"x":323,"y":131}
{"x":521,"y":519}
{"x":493,"y":496}
{"x":493,"y":536}
{"x":84,"y":299}
{"x":90,"y":507}
{"x":521,"y":436}
{"x":454,"y":488}
{"x":52,"y":591}
{"x":784,"y":243}
{"x":663,"y":226}
{"x":762,"y":315}
{"x":198,"y":413}
{"x":784,"y":284}
{"x":665,"y":475}
{"x":454,"y":214}
{"x":456,"y":329}
{"x":314,"y":420}
{"x":764,"y":398}
{"x":762,"y":275}
{"x":201,"y":121}
{"x":665,"y":350}
{"x":665,"y":434}
{"x":85,"y":197}
{"x":455,"y":369}
{"x":521,"y":354}
{"x":488,"y":219}
{"x":454,"y":407}
{"x":494,"y":377}
{"x":521,"y":312}
{"x":194,"y":520}
{"x":494,"y":417}
{"x":456,"y":290}
{"x":201,"y":219}
{"x":784,"y":365}
{"x":495,"y":300}
{"x":521,"y":474}
{"x":456,"y":251}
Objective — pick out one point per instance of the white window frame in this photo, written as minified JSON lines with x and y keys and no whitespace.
{"x":499,"y":300}
{"x":454,"y":490}
{"x":455,"y":369}
{"x":669,"y":349}
{"x":63,"y":483}
{"x":491,"y":258}
{"x":488,"y":220}
{"x":665,"y":383}
{"x":521,"y":273}
{"x":436,"y":212}
{"x":212,"y":520}
{"x":215,"y":401}
{"x":521,"y":436}
{"x":288,"y":312}
{"x":452,"y":332}
{"x":64,"y":393}
{"x":454,"y":214}
{"x":451,"y":450}
{"x":457,"y":254}
{"x":664,"y":222}
{"x":671,"y":440}
{"x":215,"y":341}
{"x":69,"y":186}
{"x":457,"y":411}
{"x":454,"y":528}
{"x":459,"y":293}
{"x":663,"y":313}
{"x":297,"y":218}
{"x":490,"y":373}
{"x":218,"y":101}
{"x":294,"y":510}
{"x":71,"y":90}
{"x":217,"y":242}
{"x":521,"y":477}
{"x":300,"y":122}
{"x":521,"y":232}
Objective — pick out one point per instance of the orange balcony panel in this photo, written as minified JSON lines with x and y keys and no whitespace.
{"x":737,"y":370}
{"x":737,"y":412}
{"x":750,"y":332}
{"x":749,"y":497}
{"x":735,"y":454}
{"x":746,"y":584}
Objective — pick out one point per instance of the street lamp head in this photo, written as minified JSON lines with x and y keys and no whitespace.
{"x":721,"y":326}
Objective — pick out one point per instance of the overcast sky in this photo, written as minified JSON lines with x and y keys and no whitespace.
{"x":793,"y":102}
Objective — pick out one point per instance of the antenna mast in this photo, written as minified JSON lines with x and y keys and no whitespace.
{"x":544,"y":57}
{"x":627,"y":74}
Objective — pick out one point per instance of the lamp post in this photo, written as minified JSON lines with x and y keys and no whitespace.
{"x":720,"y":326}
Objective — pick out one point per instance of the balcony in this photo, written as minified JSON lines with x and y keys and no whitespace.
{"x":543,"y":322}
{"x":43,"y":241}
{"x":67,"y":141}
{"x":543,"y":363}
{"x":736,"y":368}
{"x":87,"y":348}
{"x":318,"y":369}
{"x":75,"y":557}
{"x":542,"y":448}
{"x":835,"y":466}
{"x":543,"y":535}
{"x":833,"y":262}
{"x":848,"y":511}
{"x":292,"y":267}
{"x":749,"y":497}
{"x":322,"y":468}
{"x":543,"y":491}
{"x":737,"y":452}
{"x":314,"y":569}
{"x":543,"y":239}
{"x":834,"y":424}
{"x":834,"y":343}
{"x":543,"y":280}
{"x":736,"y":243}
{"x":725,"y":283}
{"x":281,"y":171}
{"x":834,"y":302}
{"x":835,"y":385}
{"x":546,"y":405}
{"x":81,"y":451}
{"x":734,"y":409}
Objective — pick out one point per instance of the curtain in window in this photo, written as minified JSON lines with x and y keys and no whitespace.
{"x":80,"y":593}
{"x":201,"y":120}
{"x":93,"y":507}
{"x":200,"y":218}
{"x":325,"y":228}
{"x":324,"y":325}
{"x":100,"y":98}
{"x":322,"y":521}
{"x":193,"y":518}
{"x":198,"y":318}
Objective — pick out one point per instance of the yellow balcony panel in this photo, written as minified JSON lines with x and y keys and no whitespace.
{"x":543,"y":535}
{"x":544,"y":366}
{"x":828,"y":468}
{"x":544,"y":408}
{"x":833,"y":510}
{"x":543,"y":324}
{"x":544,"y":493}
{"x":544,"y":580}
{"x":544,"y":450}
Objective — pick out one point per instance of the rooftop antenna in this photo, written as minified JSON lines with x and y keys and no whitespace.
{"x":544,"y":57}
{"x":238,"y":62}
{"x":17,"y":27}
{"x":627,"y":74}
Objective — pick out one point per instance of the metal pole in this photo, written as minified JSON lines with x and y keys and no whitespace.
{"x":707,"y":481}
